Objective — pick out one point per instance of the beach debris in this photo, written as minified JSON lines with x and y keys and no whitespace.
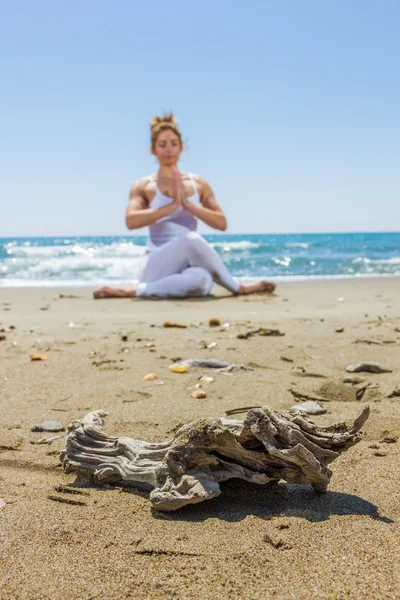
{"x":237,"y":411}
{"x":368,"y":366}
{"x":389,"y":437}
{"x":48,"y":426}
{"x":310,"y":408}
{"x":395,"y":393}
{"x":369,"y":342}
{"x":73,"y":325}
{"x":214,"y":322}
{"x":189,"y":468}
{"x":179,"y":368}
{"x":259,"y":331}
{"x":38,"y":357}
{"x":286,"y":359}
{"x":150,"y":377}
{"x":339,"y":329}
{"x":48,"y":440}
{"x":173,"y":324}
{"x":301,"y":372}
{"x":198,"y":394}
{"x":206,"y":379}
{"x":66,"y":500}
{"x":225,"y":326}
{"x":45,"y":307}
{"x":213,"y":363}
{"x":381,"y":453}
{"x":353,"y":380}
{"x":212,"y":345}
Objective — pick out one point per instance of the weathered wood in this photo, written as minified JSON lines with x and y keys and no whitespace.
{"x":266,"y":446}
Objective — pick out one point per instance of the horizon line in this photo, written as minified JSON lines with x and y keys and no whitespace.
{"x":8,"y":237}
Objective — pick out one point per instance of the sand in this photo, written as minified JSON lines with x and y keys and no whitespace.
{"x":250,"y":542}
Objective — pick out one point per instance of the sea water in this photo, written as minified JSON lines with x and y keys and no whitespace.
{"x":92,"y":261}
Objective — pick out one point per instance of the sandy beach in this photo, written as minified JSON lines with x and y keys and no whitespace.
{"x":252,"y":542}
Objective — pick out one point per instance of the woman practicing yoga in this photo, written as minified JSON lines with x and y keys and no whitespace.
{"x":179,"y":262}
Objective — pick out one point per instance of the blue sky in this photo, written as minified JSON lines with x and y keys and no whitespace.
{"x":290,"y":110}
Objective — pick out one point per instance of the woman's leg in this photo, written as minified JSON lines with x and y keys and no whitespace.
{"x":193,"y":281}
{"x":190,"y":250}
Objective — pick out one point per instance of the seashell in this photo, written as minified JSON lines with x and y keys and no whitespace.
{"x":150,"y":377}
{"x":206,"y":379}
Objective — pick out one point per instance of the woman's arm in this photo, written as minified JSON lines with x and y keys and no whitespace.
{"x":209,"y":211}
{"x":138,"y":213}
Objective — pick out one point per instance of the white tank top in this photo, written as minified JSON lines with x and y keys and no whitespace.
{"x":177,"y":224}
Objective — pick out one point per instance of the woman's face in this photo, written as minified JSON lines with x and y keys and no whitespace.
{"x":167,"y":148}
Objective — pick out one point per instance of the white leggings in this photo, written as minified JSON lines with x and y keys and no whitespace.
{"x":185,"y":266}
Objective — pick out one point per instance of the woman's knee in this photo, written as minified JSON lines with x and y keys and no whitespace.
{"x":201,"y":281}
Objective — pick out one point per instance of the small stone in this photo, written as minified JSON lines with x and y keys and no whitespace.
{"x":48,"y":426}
{"x":368,"y":366}
{"x":339,"y":329}
{"x":124,"y":337}
{"x":212,"y":345}
{"x":214,"y":322}
{"x":353,"y":380}
{"x":311,"y":408}
{"x":198,"y":394}
{"x":173,"y":324}
{"x":2,"y":338}
{"x":206,"y":379}
{"x":150,"y":377}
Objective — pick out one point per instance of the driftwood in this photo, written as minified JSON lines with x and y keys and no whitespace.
{"x":266,"y":446}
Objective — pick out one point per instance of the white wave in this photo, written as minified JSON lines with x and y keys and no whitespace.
{"x":394,"y":260}
{"x":297,"y":245}
{"x":228,"y":246}
{"x":115,"y":249}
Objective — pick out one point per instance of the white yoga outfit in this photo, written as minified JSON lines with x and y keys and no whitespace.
{"x":180,"y":262}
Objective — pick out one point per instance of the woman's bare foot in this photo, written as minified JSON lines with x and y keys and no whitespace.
{"x":109,"y":292}
{"x":258,"y":287}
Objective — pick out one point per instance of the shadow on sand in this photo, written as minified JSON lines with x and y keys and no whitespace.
{"x":239,"y":500}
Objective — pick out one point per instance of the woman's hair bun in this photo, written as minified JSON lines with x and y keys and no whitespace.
{"x":167,"y":119}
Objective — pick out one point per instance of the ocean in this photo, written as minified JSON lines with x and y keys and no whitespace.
{"x":91,"y":261}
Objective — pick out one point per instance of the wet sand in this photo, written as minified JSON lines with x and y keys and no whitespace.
{"x":252,"y":541}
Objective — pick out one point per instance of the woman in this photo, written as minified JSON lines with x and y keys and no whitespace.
{"x":179,"y":262}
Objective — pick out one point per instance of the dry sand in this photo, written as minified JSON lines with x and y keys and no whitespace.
{"x":251,"y":542}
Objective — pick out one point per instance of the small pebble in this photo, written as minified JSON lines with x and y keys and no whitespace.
{"x":198,"y":394}
{"x":214,"y":322}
